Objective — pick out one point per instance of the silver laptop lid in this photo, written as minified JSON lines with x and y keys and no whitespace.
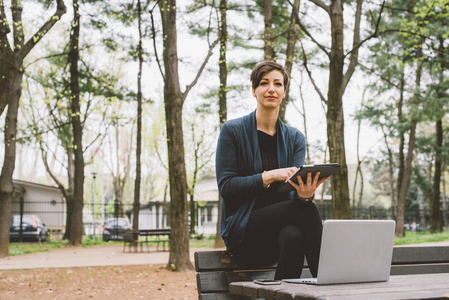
{"x":356,"y":251}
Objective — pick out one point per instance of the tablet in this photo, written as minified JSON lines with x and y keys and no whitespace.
{"x":325,"y":170}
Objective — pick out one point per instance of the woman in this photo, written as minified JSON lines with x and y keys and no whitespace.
{"x":255,"y":154}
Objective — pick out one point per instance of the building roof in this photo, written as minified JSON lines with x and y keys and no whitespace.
{"x":20,"y":185}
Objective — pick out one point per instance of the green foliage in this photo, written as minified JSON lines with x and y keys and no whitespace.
{"x":413,"y":237}
{"x":110,"y":43}
{"x":411,"y":28}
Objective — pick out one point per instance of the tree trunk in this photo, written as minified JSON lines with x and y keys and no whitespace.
{"x":401,"y":135}
{"x":359,"y":203}
{"x":78,"y":192}
{"x":445,"y":223}
{"x":118,"y":201}
{"x":192,"y":208}
{"x":6,"y":185}
{"x":405,"y":180}
{"x":268,"y":38}
{"x":223,"y":71}
{"x":435,"y":207}
{"x":11,"y":74}
{"x":68,"y":219}
{"x":179,"y":258}
{"x":290,"y":54}
{"x":119,"y":181}
{"x":306,"y":134}
{"x":391,"y":175}
{"x":422,"y":210}
{"x":165,"y":206}
{"x":136,"y":204}
{"x":222,"y":100}
{"x":359,"y":168}
{"x":335,"y":120}
{"x":69,"y":197}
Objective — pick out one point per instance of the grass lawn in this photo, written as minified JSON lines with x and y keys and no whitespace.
{"x":29,"y":247}
{"x":411,"y":237}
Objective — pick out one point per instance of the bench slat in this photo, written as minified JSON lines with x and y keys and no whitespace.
{"x":216,"y":296}
{"x":223,"y":261}
{"x":212,"y":282}
{"x":217,"y":269}
{"x":219,"y":281}
{"x":423,"y":254}
{"x":419,"y":269}
{"x":222,"y":296}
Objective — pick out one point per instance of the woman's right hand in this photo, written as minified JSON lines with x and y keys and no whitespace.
{"x":278,"y":175}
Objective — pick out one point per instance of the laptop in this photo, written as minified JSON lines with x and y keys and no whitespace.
{"x":354,"y":251}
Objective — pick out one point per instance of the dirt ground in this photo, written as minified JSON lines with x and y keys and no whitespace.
{"x":112,"y":282}
{"x":106,"y":273}
{"x":56,"y":275}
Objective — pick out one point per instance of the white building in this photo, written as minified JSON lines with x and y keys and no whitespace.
{"x":44,"y":201}
{"x":156,"y":215}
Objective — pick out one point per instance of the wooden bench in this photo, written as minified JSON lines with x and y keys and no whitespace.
{"x":131,"y":238}
{"x":217,"y":269}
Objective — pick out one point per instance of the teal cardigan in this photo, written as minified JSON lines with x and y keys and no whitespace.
{"x":239,"y":171}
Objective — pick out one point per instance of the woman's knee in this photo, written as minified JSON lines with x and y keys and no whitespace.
{"x":291,"y":236}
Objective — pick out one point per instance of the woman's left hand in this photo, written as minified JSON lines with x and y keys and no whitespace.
{"x":306,"y":190}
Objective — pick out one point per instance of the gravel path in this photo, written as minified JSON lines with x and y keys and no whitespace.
{"x":87,"y":257}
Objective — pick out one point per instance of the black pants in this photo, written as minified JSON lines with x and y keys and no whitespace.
{"x":284,"y":232}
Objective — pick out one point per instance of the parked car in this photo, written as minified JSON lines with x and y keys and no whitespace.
{"x":32,"y":228}
{"x":115,"y":229}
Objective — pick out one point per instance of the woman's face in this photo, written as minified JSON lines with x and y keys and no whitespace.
{"x":271,"y":90}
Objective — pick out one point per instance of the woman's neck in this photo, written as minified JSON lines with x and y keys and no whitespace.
{"x":266,"y":120}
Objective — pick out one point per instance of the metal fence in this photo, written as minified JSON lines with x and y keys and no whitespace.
{"x":155,"y":215}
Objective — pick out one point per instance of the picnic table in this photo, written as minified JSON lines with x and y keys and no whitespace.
{"x":131,"y":238}
{"x":421,"y":286}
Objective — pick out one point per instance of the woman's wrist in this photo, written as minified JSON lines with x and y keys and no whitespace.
{"x":307,"y":199}
{"x":264,"y":180}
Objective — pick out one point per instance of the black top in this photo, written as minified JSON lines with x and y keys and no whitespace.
{"x":269,"y":156}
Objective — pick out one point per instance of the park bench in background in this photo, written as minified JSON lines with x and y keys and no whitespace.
{"x":217,"y":269}
{"x":131,"y":238}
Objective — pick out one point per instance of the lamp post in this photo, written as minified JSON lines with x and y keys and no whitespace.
{"x":94,"y":175}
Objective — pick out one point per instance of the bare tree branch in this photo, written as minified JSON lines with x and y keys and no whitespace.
{"x":190,"y":86}
{"x":61,"y":9}
{"x":160,"y":158}
{"x":46,"y":57}
{"x":55,"y":179}
{"x":321,"y":4}
{"x":19,"y":36}
{"x":304,"y":29}
{"x":153,"y":31}
{"x":356,"y":39}
{"x":4,"y":26}
{"x":317,"y":89}
{"x":380,"y":76}
{"x":376,"y":32}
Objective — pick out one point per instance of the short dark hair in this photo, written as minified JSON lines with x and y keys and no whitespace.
{"x":265,"y":67}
